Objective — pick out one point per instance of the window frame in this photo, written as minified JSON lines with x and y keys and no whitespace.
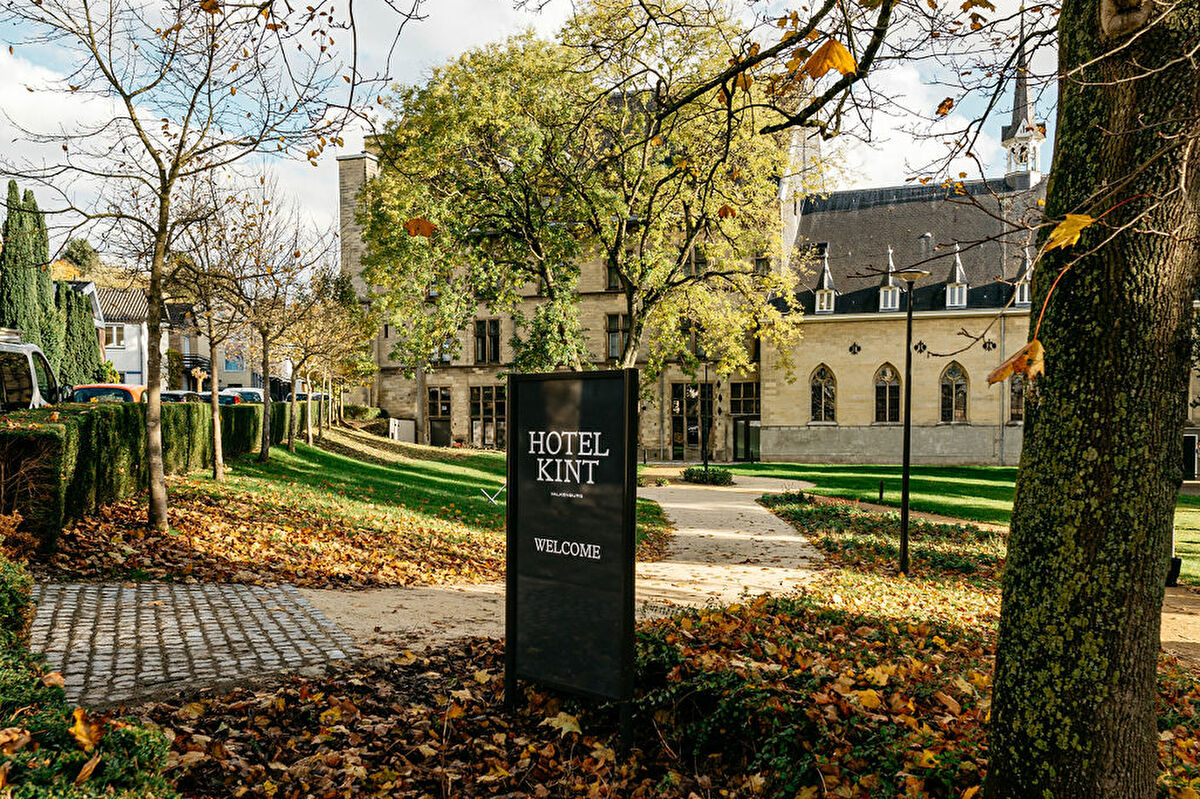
{"x":892,"y":292}
{"x":889,"y":400}
{"x":825,"y":300}
{"x":114,"y":328}
{"x":956,"y":295}
{"x":822,"y":396}
{"x":487,"y":340}
{"x":959,"y":388}
{"x":745,"y":398}
{"x":620,"y":331}
{"x":438,"y":398}
{"x":488,"y":413}
{"x":1023,"y":293}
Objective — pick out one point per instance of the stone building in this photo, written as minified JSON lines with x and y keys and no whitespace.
{"x":838,"y":396}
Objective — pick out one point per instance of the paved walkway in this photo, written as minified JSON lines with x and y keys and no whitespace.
{"x":115,"y":642}
{"x":725,"y":545}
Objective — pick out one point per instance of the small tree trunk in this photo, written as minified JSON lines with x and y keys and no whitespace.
{"x":157,"y":514}
{"x":214,"y":396}
{"x":293,"y":405}
{"x":1073,"y":710}
{"x":308,"y":411}
{"x":422,"y":410}
{"x":264,"y":450}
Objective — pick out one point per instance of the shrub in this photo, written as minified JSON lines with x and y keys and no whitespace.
{"x":713,"y":476}
{"x":361,"y":412}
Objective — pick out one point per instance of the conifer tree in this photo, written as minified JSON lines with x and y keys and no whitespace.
{"x":18,"y":298}
{"x":80,"y":361}
{"x":51,"y":322}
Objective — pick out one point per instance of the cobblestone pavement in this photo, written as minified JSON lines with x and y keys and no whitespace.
{"x":115,"y":642}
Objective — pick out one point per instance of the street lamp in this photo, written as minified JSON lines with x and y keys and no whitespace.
{"x":909,"y":276}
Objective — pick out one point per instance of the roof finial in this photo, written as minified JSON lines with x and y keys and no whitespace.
{"x":825,"y":283}
{"x":957,"y":273}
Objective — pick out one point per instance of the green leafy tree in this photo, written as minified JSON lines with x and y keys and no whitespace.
{"x":51,"y":323}
{"x":82,"y":255}
{"x":18,"y":283}
{"x":517,"y":163}
{"x":81,"y":345}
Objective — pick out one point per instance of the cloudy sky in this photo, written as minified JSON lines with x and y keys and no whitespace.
{"x":452,"y":26}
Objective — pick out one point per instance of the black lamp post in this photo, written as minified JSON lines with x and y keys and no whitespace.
{"x":909,"y":276}
{"x":705,"y":422}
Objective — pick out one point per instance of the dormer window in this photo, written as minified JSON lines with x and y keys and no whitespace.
{"x":1022,"y":293}
{"x":956,"y":295}
{"x":889,"y":298}
{"x":825,"y":301}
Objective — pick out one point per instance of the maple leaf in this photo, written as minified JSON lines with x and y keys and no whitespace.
{"x":831,"y":55}
{"x":86,"y":734}
{"x":726,"y":212}
{"x":419,"y":226}
{"x":210,"y":6}
{"x":1067,"y":232}
{"x":1028,"y":361}
{"x":564,"y":723}
{"x":944,"y":106}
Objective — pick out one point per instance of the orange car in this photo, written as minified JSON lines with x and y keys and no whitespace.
{"x":108,"y":392}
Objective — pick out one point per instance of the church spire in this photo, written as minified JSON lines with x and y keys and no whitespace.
{"x":1023,"y":135}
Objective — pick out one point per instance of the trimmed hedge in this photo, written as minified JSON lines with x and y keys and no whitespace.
{"x":362,"y":412}
{"x":60,"y":465}
{"x":45,"y":759}
{"x":713,"y":476}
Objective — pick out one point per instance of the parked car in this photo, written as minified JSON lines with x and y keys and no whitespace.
{"x":108,"y":392}
{"x":247,"y":394}
{"x":181,"y":396}
{"x":228,"y":399}
{"x":26,"y":379}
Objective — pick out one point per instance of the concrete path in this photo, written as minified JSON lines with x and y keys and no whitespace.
{"x":725,"y":545}
{"x":115,"y":642}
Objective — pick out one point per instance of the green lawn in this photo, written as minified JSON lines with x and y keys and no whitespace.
{"x":977,"y":493}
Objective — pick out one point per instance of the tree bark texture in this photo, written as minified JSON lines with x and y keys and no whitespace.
{"x":264,"y":449}
{"x":1073,"y":714}
{"x":293,"y":405}
{"x":422,"y":415}
{"x":157,"y":512}
{"x":215,"y":398}
{"x":308,"y":436}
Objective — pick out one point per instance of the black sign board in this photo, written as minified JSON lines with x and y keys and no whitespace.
{"x":572,"y":489}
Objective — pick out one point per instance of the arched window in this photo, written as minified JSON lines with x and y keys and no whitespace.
{"x":954,"y":394}
{"x":1016,"y":398}
{"x":887,"y":394}
{"x":824,"y":395}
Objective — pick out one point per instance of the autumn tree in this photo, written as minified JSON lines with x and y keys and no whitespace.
{"x":195,"y":87}
{"x":279,"y":253}
{"x":527,"y":158}
{"x":1073,"y":711}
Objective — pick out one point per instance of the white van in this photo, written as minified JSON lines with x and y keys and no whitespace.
{"x":26,"y":379}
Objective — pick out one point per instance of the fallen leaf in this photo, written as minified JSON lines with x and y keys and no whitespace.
{"x":86,"y":734}
{"x":564,"y":723}
{"x":87,"y":769}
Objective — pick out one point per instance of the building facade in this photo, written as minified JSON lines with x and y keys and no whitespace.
{"x":838,"y":395}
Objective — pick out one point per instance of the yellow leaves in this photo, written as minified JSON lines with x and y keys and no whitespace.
{"x":86,"y":734}
{"x":331,"y":716}
{"x":948,"y":701}
{"x":419,"y":226}
{"x":1028,"y":361}
{"x":970,"y":793}
{"x":1067,"y":232}
{"x":1184,"y":792}
{"x":869,"y":699}
{"x":656,"y":141}
{"x":831,"y":55}
{"x":564,"y":723}
{"x":944,"y":106}
{"x":192,"y":710}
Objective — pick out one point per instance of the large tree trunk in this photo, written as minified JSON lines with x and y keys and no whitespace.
{"x":214,"y":397}
{"x":157,"y":514}
{"x":1073,"y":711}
{"x":264,"y":449}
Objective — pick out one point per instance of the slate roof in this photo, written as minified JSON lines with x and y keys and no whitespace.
{"x":123,"y":305}
{"x":861,"y":229}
